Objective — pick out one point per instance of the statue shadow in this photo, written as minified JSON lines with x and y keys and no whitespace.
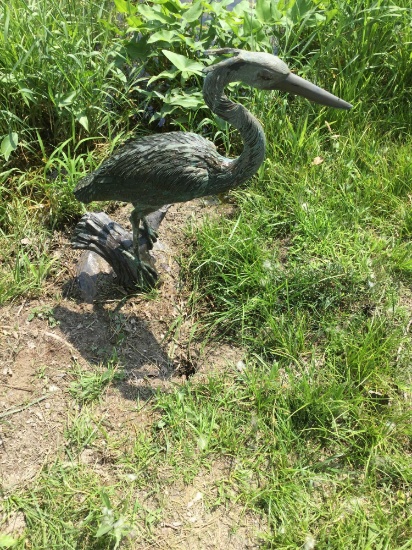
{"x":101,"y":335}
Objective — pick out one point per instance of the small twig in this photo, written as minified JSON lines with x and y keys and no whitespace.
{"x":67,"y":344}
{"x":171,"y":526}
{"x":21,"y":307}
{"x":16,"y":387}
{"x":20,"y":409}
{"x":203,"y":525}
{"x":60,"y":339}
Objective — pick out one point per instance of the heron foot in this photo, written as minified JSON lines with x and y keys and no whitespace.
{"x":150,"y":235}
{"x":147,"y":275}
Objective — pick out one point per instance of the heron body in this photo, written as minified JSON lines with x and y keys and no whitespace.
{"x":161,"y":169}
{"x":179,"y":166}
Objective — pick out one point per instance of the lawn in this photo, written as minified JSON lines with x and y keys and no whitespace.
{"x":261,"y":397}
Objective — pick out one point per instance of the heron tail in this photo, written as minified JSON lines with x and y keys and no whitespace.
{"x":84,"y":191}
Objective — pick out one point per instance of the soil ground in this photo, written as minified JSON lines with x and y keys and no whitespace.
{"x":43,"y":342}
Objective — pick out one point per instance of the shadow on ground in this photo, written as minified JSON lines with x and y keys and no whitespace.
{"x":100,"y":335}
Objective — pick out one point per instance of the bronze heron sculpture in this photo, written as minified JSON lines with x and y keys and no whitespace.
{"x":179,"y":166}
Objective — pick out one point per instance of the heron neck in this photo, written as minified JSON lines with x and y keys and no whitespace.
{"x":253,"y":137}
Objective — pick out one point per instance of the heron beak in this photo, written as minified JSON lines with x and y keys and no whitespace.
{"x":299,"y":86}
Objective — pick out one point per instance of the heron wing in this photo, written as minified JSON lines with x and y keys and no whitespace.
{"x":155,"y":170}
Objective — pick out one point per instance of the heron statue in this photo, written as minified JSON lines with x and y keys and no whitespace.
{"x":180,"y":166}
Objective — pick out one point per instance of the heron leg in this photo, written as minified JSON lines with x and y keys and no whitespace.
{"x":147,"y":274}
{"x":135,"y":218}
{"x":150,"y":233}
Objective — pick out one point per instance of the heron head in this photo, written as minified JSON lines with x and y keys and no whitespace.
{"x":265,"y":71}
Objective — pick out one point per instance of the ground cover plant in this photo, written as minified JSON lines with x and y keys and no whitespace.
{"x":300,"y":437}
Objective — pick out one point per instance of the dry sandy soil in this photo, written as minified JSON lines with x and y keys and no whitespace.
{"x":43,"y":341}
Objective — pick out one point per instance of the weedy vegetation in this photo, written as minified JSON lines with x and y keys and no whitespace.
{"x":310,"y":275}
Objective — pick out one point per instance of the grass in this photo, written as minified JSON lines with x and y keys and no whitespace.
{"x":310,"y":275}
{"x":308,"y":453}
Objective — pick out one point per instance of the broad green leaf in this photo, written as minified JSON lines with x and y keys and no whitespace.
{"x":174,"y":6}
{"x":6,"y":541}
{"x":184,"y":63}
{"x":83,"y":120}
{"x":9,"y":144}
{"x":134,"y":21}
{"x":166,"y":110}
{"x":191,"y":43}
{"x":263,"y":11}
{"x":122,"y":6}
{"x":301,"y":10}
{"x":162,"y":36}
{"x":217,"y":8}
{"x":285,"y":5}
{"x":164,"y":74}
{"x":138,"y":50}
{"x":193,"y":13}
{"x":154,"y":14}
{"x":252,"y":27}
{"x":268,"y":11}
{"x":187,"y":101}
{"x":242,"y":7}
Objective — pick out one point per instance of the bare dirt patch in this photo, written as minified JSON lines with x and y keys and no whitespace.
{"x":44,"y":342}
{"x":194,"y":519}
